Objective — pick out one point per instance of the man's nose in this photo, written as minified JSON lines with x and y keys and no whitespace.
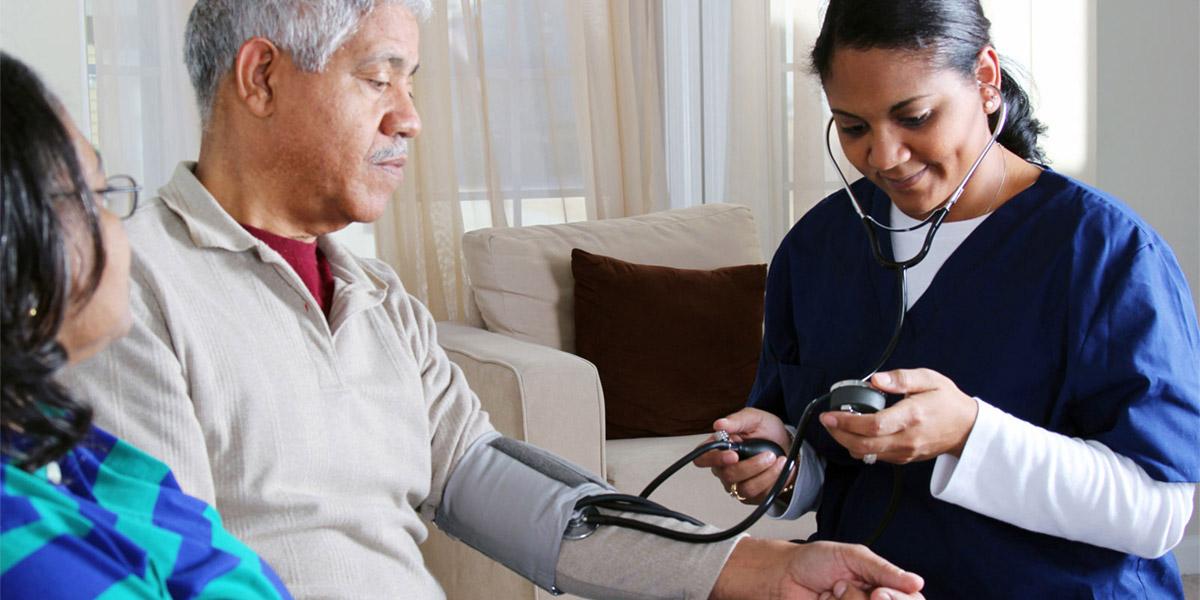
{"x":403,"y":120}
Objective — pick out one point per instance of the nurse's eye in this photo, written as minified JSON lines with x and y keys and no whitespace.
{"x":916,"y":121}
{"x":852,"y":129}
{"x":379,"y":85}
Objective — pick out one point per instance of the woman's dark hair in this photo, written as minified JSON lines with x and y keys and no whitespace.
{"x":955,"y":31}
{"x":44,"y":194}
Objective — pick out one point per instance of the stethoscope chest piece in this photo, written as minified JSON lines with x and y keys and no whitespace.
{"x":856,"y":396}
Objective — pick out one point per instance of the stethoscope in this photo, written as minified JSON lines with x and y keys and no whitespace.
{"x":852,"y":395}
{"x":933,"y":221}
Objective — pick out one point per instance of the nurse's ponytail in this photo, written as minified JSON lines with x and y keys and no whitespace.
{"x":955,"y":31}
{"x":1021,"y":133}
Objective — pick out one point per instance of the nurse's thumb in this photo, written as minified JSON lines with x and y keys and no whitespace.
{"x":906,"y":381}
{"x":742,"y":421}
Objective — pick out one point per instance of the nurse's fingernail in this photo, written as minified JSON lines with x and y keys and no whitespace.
{"x":885,"y":596}
{"x":839,"y":588}
{"x":883,"y":378}
{"x":829,"y":420}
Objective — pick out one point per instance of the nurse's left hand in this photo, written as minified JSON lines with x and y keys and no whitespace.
{"x":934,"y":418}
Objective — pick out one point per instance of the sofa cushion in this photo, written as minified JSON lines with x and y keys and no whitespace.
{"x":676,"y":348}
{"x":521,"y":276}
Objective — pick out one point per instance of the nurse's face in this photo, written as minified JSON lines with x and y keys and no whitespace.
{"x":909,"y":126}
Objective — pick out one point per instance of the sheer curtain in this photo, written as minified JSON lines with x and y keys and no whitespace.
{"x":754,"y":155}
{"x":144,"y":116}
{"x":742,"y":83}
{"x":534,"y":111}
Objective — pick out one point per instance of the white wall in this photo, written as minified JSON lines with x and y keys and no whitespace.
{"x":48,"y":36}
{"x":1148,"y":135}
{"x":1148,"y":117}
{"x":1052,"y":47}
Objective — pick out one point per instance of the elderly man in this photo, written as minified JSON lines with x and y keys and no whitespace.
{"x":304,"y":390}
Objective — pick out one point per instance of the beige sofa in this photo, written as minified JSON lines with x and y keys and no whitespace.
{"x":519,"y":361}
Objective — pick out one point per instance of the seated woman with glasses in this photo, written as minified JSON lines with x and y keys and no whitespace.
{"x":83,"y":513}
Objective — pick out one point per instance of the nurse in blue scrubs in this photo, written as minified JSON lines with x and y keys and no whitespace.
{"x":1043,"y":425}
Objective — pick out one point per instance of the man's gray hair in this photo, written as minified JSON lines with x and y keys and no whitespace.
{"x":309,"y":30}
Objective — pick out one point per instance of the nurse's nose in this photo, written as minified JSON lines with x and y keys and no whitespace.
{"x":886,"y":150}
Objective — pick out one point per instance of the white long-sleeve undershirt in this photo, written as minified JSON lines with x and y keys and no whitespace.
{"x":1030,"y":477}
{"x":1071,"y":488}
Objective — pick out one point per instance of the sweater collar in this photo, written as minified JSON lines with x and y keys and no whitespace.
{"x":209,"y":226}
{"x":207,"y":222}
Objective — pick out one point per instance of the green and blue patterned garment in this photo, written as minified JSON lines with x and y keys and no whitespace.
{"x":109,"y":521}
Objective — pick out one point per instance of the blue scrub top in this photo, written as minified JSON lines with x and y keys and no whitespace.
{"x":1062,"y":308}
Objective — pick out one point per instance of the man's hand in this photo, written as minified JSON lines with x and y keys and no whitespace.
{"x":755,"y":475}
{"x":786,"y":571}
{"x":844,"y":590}
{"x":934,"y":418}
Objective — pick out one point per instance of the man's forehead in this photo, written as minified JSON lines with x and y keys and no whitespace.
{"x":388,"y":34}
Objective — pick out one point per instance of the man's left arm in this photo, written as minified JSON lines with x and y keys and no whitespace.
{"x":456,"y":419}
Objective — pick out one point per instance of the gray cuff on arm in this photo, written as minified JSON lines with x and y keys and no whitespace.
{"x":512,"y":502}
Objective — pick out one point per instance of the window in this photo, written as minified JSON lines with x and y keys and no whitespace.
{"x":526,"y":101}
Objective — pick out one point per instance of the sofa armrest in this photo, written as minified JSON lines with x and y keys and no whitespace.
{"x":547,"y":397}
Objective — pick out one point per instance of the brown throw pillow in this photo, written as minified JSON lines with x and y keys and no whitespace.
{"x":676,"y":348}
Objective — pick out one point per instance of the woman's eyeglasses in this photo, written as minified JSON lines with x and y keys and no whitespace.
{"x":119,"y":196}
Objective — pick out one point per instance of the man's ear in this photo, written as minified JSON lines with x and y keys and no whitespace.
{"x":255,"y":63}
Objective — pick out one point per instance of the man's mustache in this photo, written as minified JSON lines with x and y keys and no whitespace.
{"x":397,"y":150}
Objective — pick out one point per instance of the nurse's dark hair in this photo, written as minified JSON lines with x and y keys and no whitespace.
{"x":955,"y":31}
{"x":44,"y":194}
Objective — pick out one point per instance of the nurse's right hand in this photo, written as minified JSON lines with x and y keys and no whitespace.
{"x":754,"y":476}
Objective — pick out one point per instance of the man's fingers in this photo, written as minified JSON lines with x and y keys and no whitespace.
{"x":876,"y":571}
{"x":844,"y":590}
{"x":887,"y":594}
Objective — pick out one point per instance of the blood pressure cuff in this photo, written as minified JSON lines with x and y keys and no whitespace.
{"x":512,"y":502}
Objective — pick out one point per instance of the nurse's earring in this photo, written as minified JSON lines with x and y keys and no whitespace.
{"x":989,"y":105}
